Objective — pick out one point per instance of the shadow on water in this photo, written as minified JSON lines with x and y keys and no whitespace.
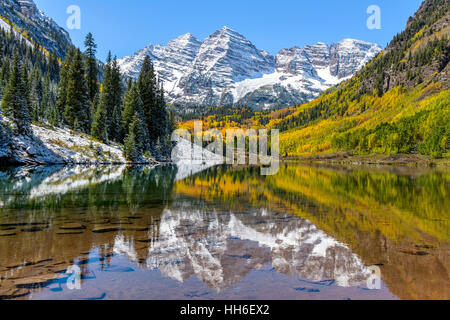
{"x":228,"y":233}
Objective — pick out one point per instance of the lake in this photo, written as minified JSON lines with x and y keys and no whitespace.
{"x":309,"y":232}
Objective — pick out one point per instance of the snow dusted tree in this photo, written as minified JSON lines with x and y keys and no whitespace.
{"x":133,"y":148}
{"x":133,"y":107}
{"x":99,"y":130}
{"x":14,"y":102}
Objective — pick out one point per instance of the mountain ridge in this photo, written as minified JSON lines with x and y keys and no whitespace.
{"x":227,"y":69}
{"x":34,"y":26}
{"x":398,"y":103}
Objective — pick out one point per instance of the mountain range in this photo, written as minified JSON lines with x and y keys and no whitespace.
{"x":224,"y":69}
{"x":227,"y":69}
{"x":34,"y":26}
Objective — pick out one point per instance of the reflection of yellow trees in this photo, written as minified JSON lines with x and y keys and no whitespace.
{"x":371,"y":202}
{"x":341,"y":203}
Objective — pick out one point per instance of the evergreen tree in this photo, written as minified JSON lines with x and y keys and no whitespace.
{"x":132,"y":106}
{"x":4,"y":75}
{"x":99,"y":130}
{"x":111,"y":98}
{"x":379,"y":86}
{"x":133,"y":148}
{"x":130,"y":151}
{"x":36,"y":93}
{"x":91,"y":66}
{"x":155,"y":114}
{"x":14,"y":102}
{"x":94,"y":106}
{"x":161,"y":115}
{"x":77,"y":109}
{"x":64,"y":80}
{"x":27,"y":82}
{"x":46,"y":101}
{"x":147,"y":89}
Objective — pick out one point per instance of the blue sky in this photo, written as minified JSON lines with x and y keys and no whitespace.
{"x":124,"y":26}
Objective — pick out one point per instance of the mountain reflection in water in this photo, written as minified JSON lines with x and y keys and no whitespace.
{"x":224,"y":233}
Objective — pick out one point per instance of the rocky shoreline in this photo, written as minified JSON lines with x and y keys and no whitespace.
{"x":412,"y":160}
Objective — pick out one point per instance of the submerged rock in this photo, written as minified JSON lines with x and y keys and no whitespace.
{"x":6,"y":233}
{"x":106,"y":229}
{"x":72,"y":226}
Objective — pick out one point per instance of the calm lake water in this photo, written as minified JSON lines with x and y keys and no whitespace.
{"x":224,"y":233}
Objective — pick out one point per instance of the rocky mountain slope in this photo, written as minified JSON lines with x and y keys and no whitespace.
{"x":34,"y":26}
{"x":397,"y":103}
{"x":227,"y":69}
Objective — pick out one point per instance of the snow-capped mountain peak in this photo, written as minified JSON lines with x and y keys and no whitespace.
{"x":227,"y":69}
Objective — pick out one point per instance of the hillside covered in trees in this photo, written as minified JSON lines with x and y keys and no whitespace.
{"x":398,"y":103}
{"x":39,"y":89}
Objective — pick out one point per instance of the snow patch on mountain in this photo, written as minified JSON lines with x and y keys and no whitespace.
{"x":227,"y":69}
{"x":5,"y":26}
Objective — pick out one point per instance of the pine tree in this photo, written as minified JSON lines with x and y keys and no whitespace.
{"x":94,"y":106}
{"x":46,"y":102}
{"x":64,"y":80}
{"x":53,"y":67}
{"x":147,"y":88}
{"x":154,"y":106}
{"x":111,"y":98}
{"x":91,"y":66}
{"x":27,"y":81}
{"x":77,"y":109}
{"x":132,"y":105}
{"x":14,"y":103}
{"x":379,"y":86}
{"x":36,"y":93}
{"x":99,"y":130}
{"x":133,"y":148}
{"x":161,"y":115}
{"x":130,"y":151}
{"x":128,"y":107}
{"x":4,"y":75}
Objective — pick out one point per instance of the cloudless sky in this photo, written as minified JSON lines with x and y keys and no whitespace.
{"x":125,"y":26}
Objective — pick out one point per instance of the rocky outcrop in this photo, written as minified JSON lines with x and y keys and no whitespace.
{"x":24,"y":15}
